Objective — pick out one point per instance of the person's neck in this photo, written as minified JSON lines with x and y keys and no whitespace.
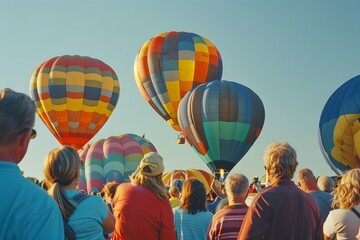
{"x":7,"y":155}
{"x":236,"y":200}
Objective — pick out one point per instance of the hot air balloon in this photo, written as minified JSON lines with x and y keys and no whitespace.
{"x":221,"y":120}
{"x":339,"y":127}
{"x":169,"y":65}
{"x":112,"y":159}
{"x":74,"y":96}
{"x":203,"y":176}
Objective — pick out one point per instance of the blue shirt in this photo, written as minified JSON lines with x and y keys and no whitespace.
{"x":87,"y":219}
{"x":323,"y":201}
{"x":191,"y":226}
{"x":26,"y":210}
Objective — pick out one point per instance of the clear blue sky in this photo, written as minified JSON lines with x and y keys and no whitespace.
{"x":293,"y":54}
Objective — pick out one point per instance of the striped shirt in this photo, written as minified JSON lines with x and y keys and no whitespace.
{"x":227,"y":222}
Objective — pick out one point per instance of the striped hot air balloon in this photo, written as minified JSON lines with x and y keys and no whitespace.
{"x":221,"y":120}
{"x":169,"y":65}
{"x":111,"y":159}
{"x":201,"y":175}
{"x":74,"y":96}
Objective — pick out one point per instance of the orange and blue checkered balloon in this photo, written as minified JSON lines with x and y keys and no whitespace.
{"x":169,"y":65}
{"x":74,"y":96}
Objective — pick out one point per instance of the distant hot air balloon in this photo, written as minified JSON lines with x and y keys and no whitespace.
{"x":339,"y":127}
{"x":112,"y":159}
{"x":221,"y":120}
{"x":203,"y":176}
{"x":74,"y":96}
{"x":169,"y":65}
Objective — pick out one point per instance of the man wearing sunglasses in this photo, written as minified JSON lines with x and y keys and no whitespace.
{"x":26,"y":211}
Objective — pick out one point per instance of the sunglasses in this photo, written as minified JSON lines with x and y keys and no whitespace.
{"x":33,"y":132}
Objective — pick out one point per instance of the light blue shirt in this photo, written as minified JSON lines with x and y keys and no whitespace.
{"x":26,"y":210}
{"x":191,"y":227}
{"x":87,"y":219}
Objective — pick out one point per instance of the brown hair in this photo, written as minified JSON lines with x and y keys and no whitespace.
{"x":193,"y":196}
{"x":153,"y":183}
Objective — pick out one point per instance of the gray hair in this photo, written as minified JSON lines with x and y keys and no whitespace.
{"x":280,"y":160}
{"x":17,"y":113}
{"x":237,"y":184}
{"x":325,"y":184}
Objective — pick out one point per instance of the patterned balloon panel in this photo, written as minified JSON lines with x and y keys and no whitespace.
{"x":221,"y":120}
{"x":203,"y":176}
{"x":74,"y":96}
{"x":169,"y":65}
{"x":339,"y":127}
{"x":111,"y":159}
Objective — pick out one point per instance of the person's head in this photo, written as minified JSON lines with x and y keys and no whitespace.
{"x":108,"y":191}
{"x":177,"y":183}
{"x":236,"y":186}
{"x":307,"y":180}
{"x":347,"y":194}
{"x":149,"y":174}
{"x":325,"y":183}
{"x":193,"y":196}
{"x":280,"y":161}
{"x":17,"y":118}
{"x":62,"y":169}
{"x":174,"y":192}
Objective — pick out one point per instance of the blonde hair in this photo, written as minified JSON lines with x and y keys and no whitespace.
{"x":347,"y":194}
{"x":61,"y":167}
{"x":110,"y":189}
{"x":280,"y":160}
{"x":17,"y":113}
{"x":174,"y":191}
{"x":153,"y":183}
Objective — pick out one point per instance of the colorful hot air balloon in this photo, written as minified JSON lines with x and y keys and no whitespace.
{"x":74,"y":96}
{"x":169,"y":65}
{"x":112,"y":159}
{"x":339,"y":127}
{"x":221,"y":120}
{"x":203,"y":176}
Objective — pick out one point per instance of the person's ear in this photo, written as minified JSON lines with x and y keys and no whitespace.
{"x":24,"y":138}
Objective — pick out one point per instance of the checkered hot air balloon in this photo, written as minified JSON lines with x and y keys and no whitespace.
{"x":169,"y":65}
{"x":74,"y":96}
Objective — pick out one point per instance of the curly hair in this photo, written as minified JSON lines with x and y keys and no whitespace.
{"x":347,"y":194}
{"x":280,"y":160}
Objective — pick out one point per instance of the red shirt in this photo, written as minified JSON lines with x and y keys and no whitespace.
{"x":140,"y":214}
{"x":282,"y":211}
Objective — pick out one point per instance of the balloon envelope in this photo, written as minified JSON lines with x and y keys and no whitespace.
{"x":339,"y":127}
{"x":169,"y":65}
{"x":112,"y":159}
{"x":201,"y":175}
{"x":74,"y":96}
{"x":221,"y":120}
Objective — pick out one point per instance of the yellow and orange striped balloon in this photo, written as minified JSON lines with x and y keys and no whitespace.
{"x":74,"y":96}
{"x":201,"y":175}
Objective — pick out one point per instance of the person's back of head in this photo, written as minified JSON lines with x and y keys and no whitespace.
{"x":325,"y":183}
{"x":17,"y":117}
{"x":193,"y":196}
{"x":280,"y":161}
{"x":149,"y":174}
{"x":307,"y":180}
{"x":347,"y":194}
{"x":236,"y":184}
{"x":61,"y":168}
{"x":108,"y":192}
{"x":174,"y":192}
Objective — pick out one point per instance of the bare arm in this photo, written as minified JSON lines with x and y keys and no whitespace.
{"x":215,"y":186}
{"x":327,"y":238}
{"x":109,"y":223}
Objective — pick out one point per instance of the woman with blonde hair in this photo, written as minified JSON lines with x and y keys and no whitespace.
{"x":344,"y":222}
{"x":88,"y":216}
{"x":142,"y":207}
